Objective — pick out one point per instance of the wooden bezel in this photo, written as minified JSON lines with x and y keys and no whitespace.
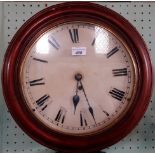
{"x":41,"y":22}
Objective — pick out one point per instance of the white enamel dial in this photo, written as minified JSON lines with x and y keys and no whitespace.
{"x":78,"y":78}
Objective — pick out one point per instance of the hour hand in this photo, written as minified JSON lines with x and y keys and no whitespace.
{"x":76,"y":100}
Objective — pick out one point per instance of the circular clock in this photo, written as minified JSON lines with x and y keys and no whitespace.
{"x":77,"y":77}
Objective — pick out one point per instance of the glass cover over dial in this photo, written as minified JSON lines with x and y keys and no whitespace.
{"x":78,"y":78}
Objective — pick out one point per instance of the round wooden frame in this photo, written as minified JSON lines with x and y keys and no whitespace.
{"x":39,"y":23}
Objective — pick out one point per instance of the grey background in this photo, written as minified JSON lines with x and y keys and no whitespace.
{"x":140,"y":14}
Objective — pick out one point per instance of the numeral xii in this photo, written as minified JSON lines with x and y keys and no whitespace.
{"x":74,"y":35}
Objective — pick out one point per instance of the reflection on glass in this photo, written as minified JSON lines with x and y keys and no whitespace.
{"x":101,"y":40}
{"x":42,"y":46}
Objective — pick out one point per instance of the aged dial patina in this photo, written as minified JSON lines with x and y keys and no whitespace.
{"x":78,"y":78}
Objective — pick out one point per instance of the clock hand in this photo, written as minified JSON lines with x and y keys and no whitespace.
{"x":78,"y":77}
{"x":90,"y":108}
{"x":76,"y":98}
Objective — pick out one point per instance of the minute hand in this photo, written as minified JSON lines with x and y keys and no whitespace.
{"x":90,"y":108}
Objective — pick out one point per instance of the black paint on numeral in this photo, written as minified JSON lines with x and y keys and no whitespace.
{"x":42,"y":100}
{"x":53,"y":42}
{"x":83,"y":121}
{"x":60,"y":117}
{"x":40,"y":60}
{"x":74,"y":35}
{"x":117,"y":94}
{"x":37,"y":82}
{"x":93,"y":42}
{"x":113,"y":51}
{"x":120,"y":72}
{"x":106,"y":112}
{"x":44,"y":107}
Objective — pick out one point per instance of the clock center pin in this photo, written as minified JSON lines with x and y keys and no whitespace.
{"x":78,"y":77}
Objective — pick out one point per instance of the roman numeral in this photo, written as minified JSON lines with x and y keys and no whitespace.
{"x":42,"y":100}
{"x":107,"y":114}
{"x":44,"y":108}
{"x":37,"y":82}
{"x":40,"y":60}
{"x":74,"y":35}
{"x":83,"y":121}
{"x":83,"y":118}
{"x":119,"y":72}
{"x":113,"y":51}
{"x":117,"y":94}
{"x":93,"y":42}
{"x":53,"y":42}
{"x":60,"y":117}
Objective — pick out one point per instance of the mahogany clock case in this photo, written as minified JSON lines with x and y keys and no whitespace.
{"x":41,"y":22}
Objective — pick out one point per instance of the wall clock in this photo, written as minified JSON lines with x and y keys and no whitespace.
{"x":77,"y":77}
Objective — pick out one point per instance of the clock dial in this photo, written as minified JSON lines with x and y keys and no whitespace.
{"x":78,"y":78}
